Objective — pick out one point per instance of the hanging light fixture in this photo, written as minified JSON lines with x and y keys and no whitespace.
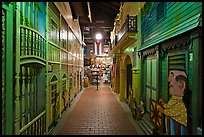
{"x":98,"y":36}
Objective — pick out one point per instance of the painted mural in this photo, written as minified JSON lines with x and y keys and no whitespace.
{"x":175,"y":110}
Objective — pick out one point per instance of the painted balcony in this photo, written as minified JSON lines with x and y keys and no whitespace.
{"x":36,"y":126}
{"x":32,"y":46}
{"x":126,"y":35}
{"x":114,"y":43}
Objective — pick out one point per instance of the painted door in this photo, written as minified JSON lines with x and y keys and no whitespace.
{"x":54,"y":100}
{"x":151,"y":81}
{"x":129,"y":80}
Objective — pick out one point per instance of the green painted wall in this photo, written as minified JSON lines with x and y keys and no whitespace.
{"x":179,"y":17}
{"x":28,"y":48}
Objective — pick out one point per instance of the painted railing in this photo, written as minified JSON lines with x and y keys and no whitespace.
{"x":130,"y":25}
{"x":36,"y":127}
{"x":54,"y":52}
{"x":32,"y":43}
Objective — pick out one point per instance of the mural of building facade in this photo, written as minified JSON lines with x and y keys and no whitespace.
{"x":171,"y":40}
{"x":45,"y":68}
{"x":168,"y":37}
{"x":42,"y":64}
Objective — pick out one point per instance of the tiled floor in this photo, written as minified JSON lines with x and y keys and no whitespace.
{"x":97,"y":112}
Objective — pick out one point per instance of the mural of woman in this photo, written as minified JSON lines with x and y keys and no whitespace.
{"x":175,"y":109}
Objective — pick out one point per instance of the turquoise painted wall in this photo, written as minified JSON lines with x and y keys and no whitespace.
{"x":179,"y":17}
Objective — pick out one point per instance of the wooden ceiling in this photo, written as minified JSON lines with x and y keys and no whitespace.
{"x":102,"y":16}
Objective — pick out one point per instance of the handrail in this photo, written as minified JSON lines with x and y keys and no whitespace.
{"x":32,"y":122}
{"x":26,"y":27}
{"x":32,"y":42}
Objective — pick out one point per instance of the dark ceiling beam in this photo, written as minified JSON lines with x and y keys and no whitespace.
{"x":110,"y":6}
{"x":117,"y":4}
{"x":103,"y":15}
{"x":106,"y":24}
{"x":89,"y":12}
{"x":99,"y":10}
{"x":78,"y":9}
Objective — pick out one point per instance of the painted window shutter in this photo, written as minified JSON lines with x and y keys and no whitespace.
{"x":177,"y":62}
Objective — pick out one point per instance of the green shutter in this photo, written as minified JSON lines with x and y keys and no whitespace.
{"x":177,"y":61}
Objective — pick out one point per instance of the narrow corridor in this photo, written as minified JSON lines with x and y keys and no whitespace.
{"x":97,"y":112}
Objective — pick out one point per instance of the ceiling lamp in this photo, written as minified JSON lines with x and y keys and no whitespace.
{"x":98,"y":36}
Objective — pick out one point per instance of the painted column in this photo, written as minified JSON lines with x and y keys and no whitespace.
{"x":23,"y":89}
{"x":29,"y":32}
{"x":117,"y":77}
{"x":136,"y":84}
{"x":196,"y":45}
{"x":29,"y":89}
{"x":113,"y":73}
{"x":23,"y":31}
{"x":17,"y":72}
{"x":7,"y":69}
{"x":138,"y":63}
{"x":60,"y":67}
{"x":46,"y":74}
{"x":3,"y":91}
{"x":123,"y":72}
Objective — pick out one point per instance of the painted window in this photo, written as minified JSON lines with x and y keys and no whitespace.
{"x":160,"y":10}
{"x":64,"y":80}
{"x":53,"y":89}
{"x":54,"y":98}
{"x":177,"y":61}
{"x":33,"y":15}
{"x":70,"y":81}
{"x":64,"y":34}
{"x":69,"y":39}
{"x":41,"y":18}
{"x":54,"y":31}
{"x":53,"y":92}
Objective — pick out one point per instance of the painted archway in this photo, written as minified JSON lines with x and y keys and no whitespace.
{"x":54,"y":101}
